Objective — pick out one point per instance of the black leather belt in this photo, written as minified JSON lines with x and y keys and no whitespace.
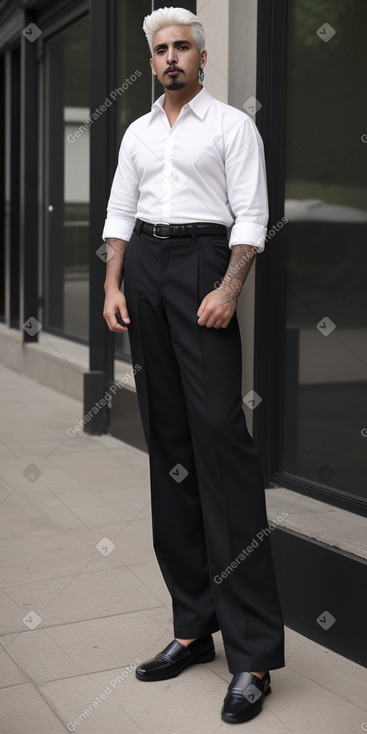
{"x":164,"y":230}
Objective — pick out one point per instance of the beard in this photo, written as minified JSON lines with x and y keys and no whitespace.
{"x":174,"y":85}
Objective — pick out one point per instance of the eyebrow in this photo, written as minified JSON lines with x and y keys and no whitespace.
{"x":165,"y":45}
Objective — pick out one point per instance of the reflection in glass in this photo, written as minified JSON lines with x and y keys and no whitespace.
{"x":67,"y":177}
{"x":325,"y":399}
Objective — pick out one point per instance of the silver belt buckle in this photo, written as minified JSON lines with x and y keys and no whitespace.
{"x":160,"y":236}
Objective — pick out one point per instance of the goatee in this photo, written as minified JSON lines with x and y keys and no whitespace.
{"x":174,"y":85}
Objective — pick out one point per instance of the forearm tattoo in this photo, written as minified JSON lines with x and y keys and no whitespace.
{"x":242,"y":257}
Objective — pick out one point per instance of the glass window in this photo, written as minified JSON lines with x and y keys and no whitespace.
{"x":67,"y":181}
{"x":325,"y":395}
{"x":135,"y":98}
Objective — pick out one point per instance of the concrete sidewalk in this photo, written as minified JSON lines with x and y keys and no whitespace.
{"x":82,"y":598}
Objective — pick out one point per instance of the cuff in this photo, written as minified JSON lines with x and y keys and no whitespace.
{"x":248,"y":234}
{"x":121,"y":229}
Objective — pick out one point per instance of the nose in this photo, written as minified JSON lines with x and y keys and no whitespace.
{"x":171,"y":56}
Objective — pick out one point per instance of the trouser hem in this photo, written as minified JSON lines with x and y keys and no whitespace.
{"x":186,"y":634}
{"x":256,"y":665}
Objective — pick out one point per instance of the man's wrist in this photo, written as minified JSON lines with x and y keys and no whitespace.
{"x":111,"y":288}
{"x":234,"y":285}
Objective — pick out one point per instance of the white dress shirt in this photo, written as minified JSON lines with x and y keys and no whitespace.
{"x":208,"y":167}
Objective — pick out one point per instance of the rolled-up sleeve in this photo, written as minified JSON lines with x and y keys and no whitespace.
{"x":246,"y":184}
{"x":122,"y":204}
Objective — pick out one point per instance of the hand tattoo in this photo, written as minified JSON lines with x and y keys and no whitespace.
{"x":230,"y":289}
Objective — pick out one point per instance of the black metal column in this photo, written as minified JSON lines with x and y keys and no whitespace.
{"x":29,"y":180}
{"x":102,"y":163}
{"x":270,"y":265}
{"x":13,"y":250}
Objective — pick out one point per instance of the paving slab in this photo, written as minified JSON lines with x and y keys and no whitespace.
{"x":10,"y":673}
{"x":84,"y":647}
{"x":23,"y":710}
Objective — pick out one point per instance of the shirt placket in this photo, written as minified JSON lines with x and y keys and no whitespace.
{"x":167,"y":173}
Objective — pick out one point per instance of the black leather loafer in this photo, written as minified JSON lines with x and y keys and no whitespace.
{"x":175,"y":658}
{"x":245,"y":696}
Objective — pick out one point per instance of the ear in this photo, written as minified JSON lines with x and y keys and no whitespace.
{"x":203,"y":57}
{"x":152,"y":66}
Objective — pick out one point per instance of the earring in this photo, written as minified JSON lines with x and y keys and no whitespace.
{"x":201,"y":75}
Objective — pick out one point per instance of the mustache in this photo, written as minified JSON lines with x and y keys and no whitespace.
{"x":173,"y":68}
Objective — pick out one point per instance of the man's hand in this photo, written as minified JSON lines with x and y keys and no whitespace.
{"x":218,"y":307}
{"x":115,"y":303}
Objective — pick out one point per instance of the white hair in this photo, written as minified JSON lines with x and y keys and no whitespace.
{"x":164,"y":17}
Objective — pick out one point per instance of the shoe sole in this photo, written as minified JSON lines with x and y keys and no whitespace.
{"x":208,"y":658}
{"x":249,"y":715}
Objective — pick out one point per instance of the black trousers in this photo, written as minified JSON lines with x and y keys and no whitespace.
{"x":207,"y":489}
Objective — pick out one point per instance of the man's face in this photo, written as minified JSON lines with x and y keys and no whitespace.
{"x":176,"y":57}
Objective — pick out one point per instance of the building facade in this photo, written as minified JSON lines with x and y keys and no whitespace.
{"x":73,"y":76}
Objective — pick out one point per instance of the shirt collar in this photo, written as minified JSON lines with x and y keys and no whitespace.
{"x":199,"y":104}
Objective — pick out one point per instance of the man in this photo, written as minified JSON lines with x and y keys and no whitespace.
{"x":187,"y":171}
